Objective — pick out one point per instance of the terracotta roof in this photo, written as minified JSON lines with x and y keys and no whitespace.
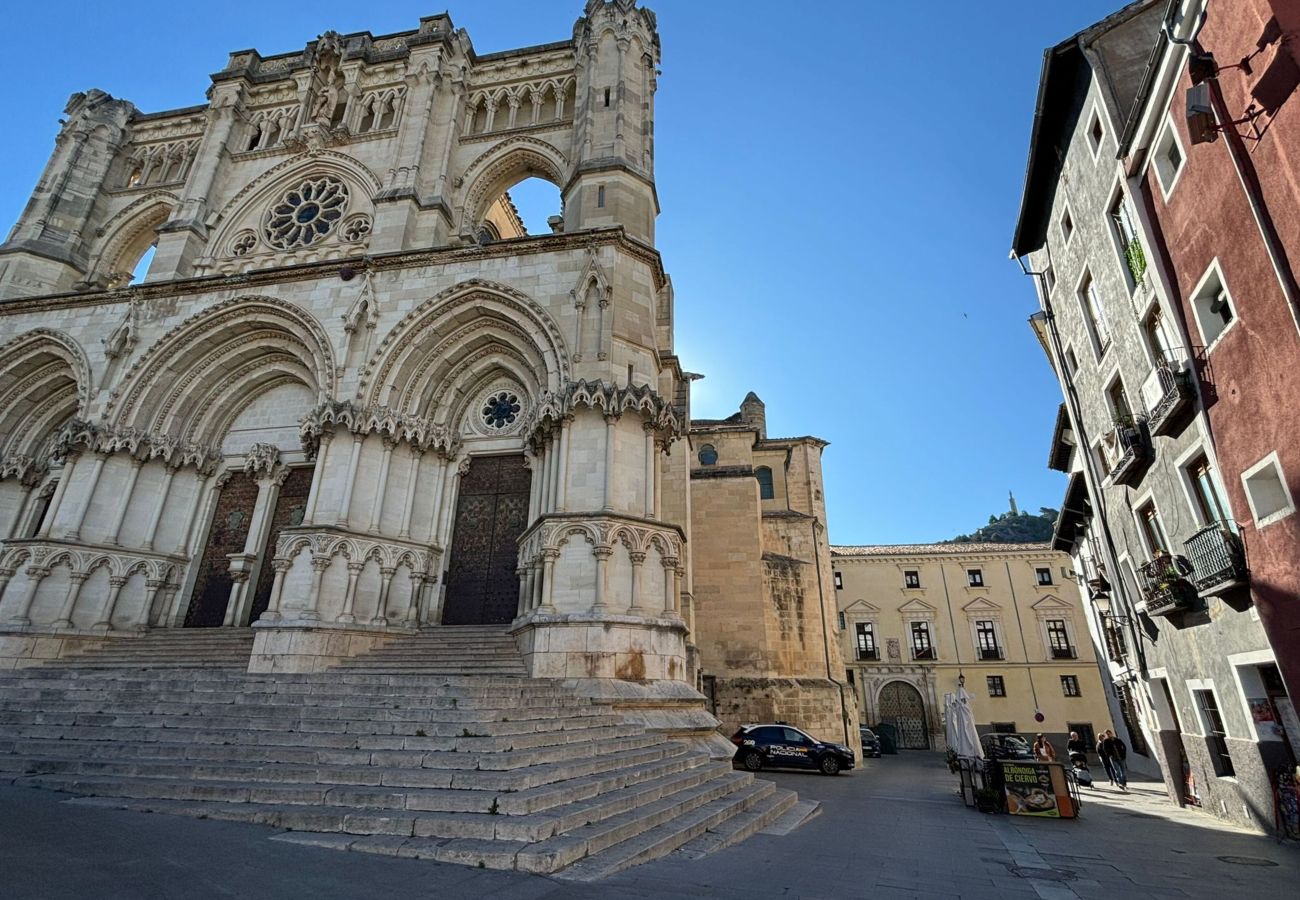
{"x":946,"y":549}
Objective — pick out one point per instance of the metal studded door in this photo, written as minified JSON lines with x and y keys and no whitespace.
{"x":901,"y":706}
{"x":491,"y":514}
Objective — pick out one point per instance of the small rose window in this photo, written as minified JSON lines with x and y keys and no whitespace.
{"x":307,"y":213}
{"x":501,"y":410}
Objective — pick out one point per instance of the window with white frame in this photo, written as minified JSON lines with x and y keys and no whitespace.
{"x":1094,"y":315}
{"x":1266,"y":489}
{"x":1133,"y":257}
{"x":1067,"y":225}
{"x":1096,"y":132}
{"x":1159,"y":345}
{"x":1212,"y":305}
{"x":1153,"y":530}
{"x":1203,"y":487}
{"x":1169,"y":159}
{"x":1216,"y":734}
{"x":1071,"y":362}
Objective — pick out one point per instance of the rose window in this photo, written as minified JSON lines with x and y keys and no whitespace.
{"x":307,"y":213}
{"x":501,"y":410}
{"x":355,"y":229}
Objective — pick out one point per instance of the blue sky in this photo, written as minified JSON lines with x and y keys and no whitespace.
{"x":839,"y":185}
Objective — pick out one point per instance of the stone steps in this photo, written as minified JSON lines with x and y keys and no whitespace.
{"x":381,"y":755}
{"x":466,"y":648}
{"x":166,"y":648}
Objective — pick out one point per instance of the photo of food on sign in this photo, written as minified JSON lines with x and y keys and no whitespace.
{"x":1029,"y":791}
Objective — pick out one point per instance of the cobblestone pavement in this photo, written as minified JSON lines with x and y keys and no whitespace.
{"x":892,"y":829}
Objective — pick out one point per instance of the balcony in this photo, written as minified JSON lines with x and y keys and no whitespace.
{"x":923,"y":653}
{"x":1165,"y":586}
{"x":1132,"y":445}
{"x":1218,"y":560}
{"x":1173,"y":396}
{"x":1064,"y":653}
{"x":871,"y":655}
{"x":990,"y":653}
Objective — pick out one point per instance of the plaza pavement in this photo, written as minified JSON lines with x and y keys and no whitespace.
{"x":892,"y":829}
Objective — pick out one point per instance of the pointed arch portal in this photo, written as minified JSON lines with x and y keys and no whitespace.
{"x":491,"y":515}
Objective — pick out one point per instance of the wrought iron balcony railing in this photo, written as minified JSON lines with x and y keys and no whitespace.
{"x":1133,"y":445}
{"x":1218,"y":560}
{"x":923,"y":653}
{"x":1064,"y":653}
{"x":987,"y":653}
{"x":1165,"y":585}
{"x":1176,"y":397}
{"x":868,"y":655}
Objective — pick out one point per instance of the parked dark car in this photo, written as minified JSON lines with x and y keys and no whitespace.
{"x":777,"y":745}
{"x":870,"y":743}
{"x":1006,"y":746}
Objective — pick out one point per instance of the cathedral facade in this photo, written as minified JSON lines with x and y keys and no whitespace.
{"x":352,"y":399}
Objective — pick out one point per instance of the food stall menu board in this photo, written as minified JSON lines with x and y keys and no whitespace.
{"x":1030,"y":791}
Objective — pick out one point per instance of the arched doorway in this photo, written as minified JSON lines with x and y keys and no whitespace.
{"x":491,"y":514}
{"x":901,"y":705}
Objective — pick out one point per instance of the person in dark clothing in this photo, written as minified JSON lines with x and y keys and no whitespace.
{"x":1076,"y":747}
{"x":1103,"y":751}
{"x":1118,"y":753}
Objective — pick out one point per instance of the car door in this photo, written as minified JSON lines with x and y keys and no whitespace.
{"x":797,"y":748}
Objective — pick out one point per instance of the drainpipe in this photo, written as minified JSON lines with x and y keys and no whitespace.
{"x":826,"y":639}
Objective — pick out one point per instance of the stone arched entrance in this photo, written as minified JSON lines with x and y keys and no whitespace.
{"x":902,"y":706}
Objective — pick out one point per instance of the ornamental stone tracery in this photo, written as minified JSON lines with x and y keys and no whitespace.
{"x":307,"y":213}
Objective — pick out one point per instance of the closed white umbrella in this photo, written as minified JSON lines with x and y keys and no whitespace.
{"x":968,"y":736}
{"x":950,"y":720}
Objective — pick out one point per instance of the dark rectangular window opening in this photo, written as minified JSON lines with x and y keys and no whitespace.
{"x":1216,"y":736}
{"x":997,"y":686}
{"x":866,"y":641}
{"x":1044,"y":577}
{"x":987,"y":639}
{"x":1070,"y":686}
{"x":921,"y":646}
{"x":911,"y":579}
{"x":975,"y":577}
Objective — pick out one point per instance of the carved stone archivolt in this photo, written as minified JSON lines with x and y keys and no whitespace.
{"x":81,"y":435}
{"x":608,"y":399}
{"x":333,"y":415}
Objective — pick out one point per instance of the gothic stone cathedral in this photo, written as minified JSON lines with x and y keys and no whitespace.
{"x":352,"y":399}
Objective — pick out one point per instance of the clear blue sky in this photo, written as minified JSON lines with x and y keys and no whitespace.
{"x":839,"y":185}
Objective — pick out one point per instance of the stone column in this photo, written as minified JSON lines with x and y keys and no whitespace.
{"x":96,"y":469}
{"x":313,"y":495}
{"x":611,"y":423}
{"x":520,"y":607}
{"x":602,"y":554}
{"x":408,"y":503}
{"x":549,"y":557}
{"x":20,"y":511}
{"x":638,"y":559}
{"x":151,"y":532}
{"x":70,"y":600}
{"x":377,"y":504}
{"x":651,"y":470}
{"x":548,"y":481}
{"x":670,"y":585}
{"x":381,"y":611}
{"x":413,"y":606}
{"x":439,"y":485}
{"x":65,"y":479}
{"x":534,"y":486}
{"x":537,"y":583}
{"x":449,"y":503}
{"x":345,"y":505}
{"x":318,"y":566}
{"x":350,"y":598}
{"x":659,"y":494}
{"x":35,"y":574}
{"x":5,"y":575}
{"x":115,"y":584}
{"x":115,"y":533}
{"x":272,"y":614}
{"x":151,"y":588}
{"x":239,"y":581}
{"x":562,"y":476}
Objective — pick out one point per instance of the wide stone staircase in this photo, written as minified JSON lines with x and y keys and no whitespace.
{"x":456,"y":650}
{"x":485,"y":769}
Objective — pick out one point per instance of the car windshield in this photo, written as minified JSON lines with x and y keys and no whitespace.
{"x":1015,"y":743}
{"x":868,"y":734}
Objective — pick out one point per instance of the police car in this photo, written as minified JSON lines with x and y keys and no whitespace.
{"x":781,"y":745}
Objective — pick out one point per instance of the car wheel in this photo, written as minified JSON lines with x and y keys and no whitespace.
{"x":753,"y":761}
{"x":829,"y":765}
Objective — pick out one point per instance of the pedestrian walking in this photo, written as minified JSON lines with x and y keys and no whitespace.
{"x":1076,"y":747}
{"x":1118,"y":754}
{"x":1104,"y":751}
{"x":1043,"y":750}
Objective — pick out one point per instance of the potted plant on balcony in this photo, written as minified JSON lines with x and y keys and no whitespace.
{"x":1167,"y":579}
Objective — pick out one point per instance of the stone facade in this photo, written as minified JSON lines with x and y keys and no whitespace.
{"x":344,"y":331}
{"x":1016,"y":639}
{"x":1153,"y":516}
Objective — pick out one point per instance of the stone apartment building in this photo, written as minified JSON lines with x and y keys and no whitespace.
{"x":1157,"y":518}
{"x":1005,"y":620}
{"x":351,"y":400}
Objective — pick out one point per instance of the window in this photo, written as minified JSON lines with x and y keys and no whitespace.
{"x":866,"y":641}
{"x":1067,"y":225}
{"x":1157,"y":337}
{"x":1215,"y":734}
{"x":1044,"y":577}
{"x":1049,"y":280}
{"x":1058,"y":640}
{"x":1094,"y":315}
{"x":1070,"y":686}
{"x":911,"y":580}
{"x":1071,"y":362}
{"x":1132,"y":257}
{"x":1095,"y":132}
{"x":975,"y":577}
{"x":1120,"y":411}
{"x":600,"y":197}
{"x":765,"y":489}
{"x":839,"y":581}
{"x":986,"y":639}
{"x":708,"y":455}
{"x":842,"y":625}
{"x":607,"y":96}
{"x":1205,"y":495}
{"x":922,"y":648}
{"x":997,"y":686}
{"x":1266,"y":489}
{"x":1212,"y":305}
{"x":1169,"y":159}
{"x":1153,"y":530}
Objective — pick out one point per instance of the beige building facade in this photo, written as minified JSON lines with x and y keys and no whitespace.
{"x":351,"y":399}
{"x":916,"y":619}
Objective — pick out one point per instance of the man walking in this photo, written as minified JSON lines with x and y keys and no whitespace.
{"x":1104,"y":751}
{"x":1117,"y":754}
